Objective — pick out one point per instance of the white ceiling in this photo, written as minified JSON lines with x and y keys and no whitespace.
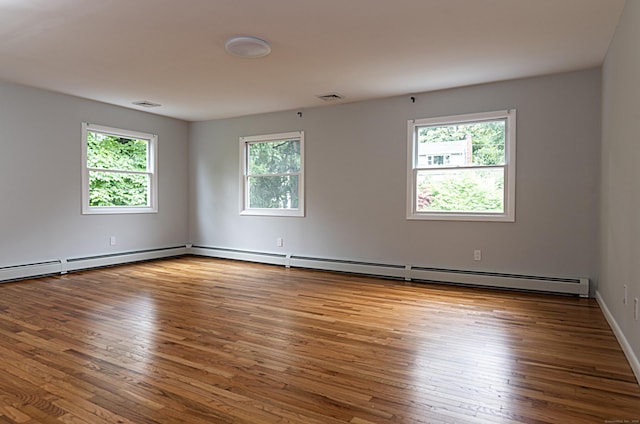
{"x":172,"y":51}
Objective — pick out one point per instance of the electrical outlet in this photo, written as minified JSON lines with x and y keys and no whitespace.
{"x":624,"y":299}
{"x":279,"y":242}
{"x":477,"y":255}
{"x":112,"y":240}
{"x":636,"y":309}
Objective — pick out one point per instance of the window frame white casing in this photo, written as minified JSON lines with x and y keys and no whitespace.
{"x":152,"y":167}
{"x":244,"y":176}
{"x":508,"y":215}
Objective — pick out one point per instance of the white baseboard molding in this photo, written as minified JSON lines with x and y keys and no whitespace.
{"x":62,"y":266}
{"x":624,"y":343}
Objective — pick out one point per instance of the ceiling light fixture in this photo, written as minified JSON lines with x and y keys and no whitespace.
{"x":247,"y":46}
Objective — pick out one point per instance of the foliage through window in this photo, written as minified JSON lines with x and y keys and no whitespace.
{"x":272,"y":174}
{"x":118,"y":171}
{"x":462,"y":167}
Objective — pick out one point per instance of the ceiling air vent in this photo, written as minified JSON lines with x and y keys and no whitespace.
{"x":146,"y":103}
{"x":331,"y":97}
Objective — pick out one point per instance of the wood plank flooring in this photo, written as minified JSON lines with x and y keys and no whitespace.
{"x":195,"y":340}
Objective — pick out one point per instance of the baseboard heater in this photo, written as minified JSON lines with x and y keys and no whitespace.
{"x":20,"y":272}
{"x":99,"y":261}
{"x":62,"y":266}
{"x":571,"y":286}
{"x":239,"y":255}
{"x":399,"y":272}
{"x":574,"y":286}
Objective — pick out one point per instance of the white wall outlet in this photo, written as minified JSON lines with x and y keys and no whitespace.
{"x":279,"y":242}
{"x":636,"y":309}
{"x":624,"y":299}
{"x":112,"y":240}
{"x":477,"y":255}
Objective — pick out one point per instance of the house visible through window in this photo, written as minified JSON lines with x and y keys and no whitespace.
{"x":462,"y":167}
{"x":272,"y":172}
{"x":119,"y":171}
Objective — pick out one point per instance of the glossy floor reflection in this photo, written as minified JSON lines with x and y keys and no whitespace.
{"x":206,"y":341}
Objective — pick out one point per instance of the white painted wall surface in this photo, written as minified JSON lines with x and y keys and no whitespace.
{"x":40,"y":180}
{"x":356,"y":182}
{"x":620,"y":206}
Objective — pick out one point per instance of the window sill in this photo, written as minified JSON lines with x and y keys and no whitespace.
{"x":106,"y":210}
{"x":273,"y":212}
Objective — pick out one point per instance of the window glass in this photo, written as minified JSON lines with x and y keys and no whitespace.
{"x":272,"y":174}
{"x":118,"y":171}
{"x":462,"y":167}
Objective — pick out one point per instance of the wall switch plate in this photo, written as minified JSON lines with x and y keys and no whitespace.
{"x":477,"y":255}
{"x":636,"y":309}
{"x":279,"y":242}
{"x":112,"y":240}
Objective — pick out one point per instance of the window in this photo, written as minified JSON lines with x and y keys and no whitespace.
{"x":119,"y":171}
{"x":462,"y":167}
{"x":272,"y":172}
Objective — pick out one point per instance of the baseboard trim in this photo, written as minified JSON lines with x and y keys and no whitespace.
{"x":624,"y":343}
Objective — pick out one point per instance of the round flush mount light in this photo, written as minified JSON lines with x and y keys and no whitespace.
{"x":247,"y":46}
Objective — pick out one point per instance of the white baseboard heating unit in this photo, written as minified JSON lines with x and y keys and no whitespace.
{"x":62,"y":266}
{"x":571,"y":286}
{"x":76,"y":264}
{"x":19,"y":272}
{"x":575,"y":286}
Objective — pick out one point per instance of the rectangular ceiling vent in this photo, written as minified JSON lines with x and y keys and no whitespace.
{"x":331,"y":97}
{"x":146,"y":103}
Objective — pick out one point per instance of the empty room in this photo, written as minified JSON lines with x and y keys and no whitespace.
{"x":355,"y":211}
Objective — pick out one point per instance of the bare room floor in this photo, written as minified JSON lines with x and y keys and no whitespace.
{"x":195,"y":340}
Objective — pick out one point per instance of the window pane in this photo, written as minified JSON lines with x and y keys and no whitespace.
{"x":115,"y":152}
{"x":118,"y":189}
{"x":273,"y":192}
{"x":478,"y":143}
{"x":460,"y":190}
{"x":274,"y":157}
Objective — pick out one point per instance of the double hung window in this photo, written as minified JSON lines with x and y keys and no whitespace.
{"x":119,"y":171}
{"x":272,"y":174}
{"x":462,"y":167}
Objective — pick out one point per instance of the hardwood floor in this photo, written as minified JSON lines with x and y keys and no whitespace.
{"x":194,"y":340}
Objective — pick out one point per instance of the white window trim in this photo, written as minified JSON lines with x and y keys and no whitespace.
{"x":509,"y":168}
{"x":244,"y":193}
{"x":152,"y":172}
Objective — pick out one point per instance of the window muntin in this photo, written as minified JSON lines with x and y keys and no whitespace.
{"x":462,"y":167}
{"x":272,"y":174}
{"x":118,"y":171}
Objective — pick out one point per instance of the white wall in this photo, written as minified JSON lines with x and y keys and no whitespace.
{"x":620,"y":224}
{"x":356,"y":182}
{"x":40,"y":180}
